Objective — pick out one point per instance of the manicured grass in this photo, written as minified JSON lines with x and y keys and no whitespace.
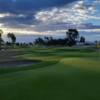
{"x":62,"y":74}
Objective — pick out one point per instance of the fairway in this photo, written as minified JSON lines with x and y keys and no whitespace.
{"x":62,"y":74}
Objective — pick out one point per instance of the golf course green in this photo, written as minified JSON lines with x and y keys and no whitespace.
{"x":62,"y":74}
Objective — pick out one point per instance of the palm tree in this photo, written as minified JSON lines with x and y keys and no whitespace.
{"x":12,"y":37}
{"x":1,"y":32}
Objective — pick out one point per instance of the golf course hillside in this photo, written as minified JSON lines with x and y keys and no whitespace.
{"x":50,"y":73}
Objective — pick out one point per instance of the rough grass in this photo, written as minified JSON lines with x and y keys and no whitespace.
{"x":63,"y":74}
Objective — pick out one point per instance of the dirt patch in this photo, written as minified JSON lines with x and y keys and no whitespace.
{"x":17,"y":63}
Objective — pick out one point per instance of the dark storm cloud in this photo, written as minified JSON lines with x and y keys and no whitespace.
{"x":23,"y":19}
{"x":27,"y":8}
{"x":22,"y":6}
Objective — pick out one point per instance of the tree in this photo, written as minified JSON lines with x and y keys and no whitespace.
{"x":72,"y":36}
{"x":82,"y":39}
{"x":39,"y":41}
{"x":12,"y":37}
{"x":1,"y":32}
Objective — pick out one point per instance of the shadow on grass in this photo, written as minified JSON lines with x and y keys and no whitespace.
{"x":40,"y":64}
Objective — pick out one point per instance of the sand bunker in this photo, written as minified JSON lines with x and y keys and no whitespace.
{"x":18,"y":63}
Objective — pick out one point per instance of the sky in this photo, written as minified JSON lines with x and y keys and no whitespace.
{"x":50,"y":17}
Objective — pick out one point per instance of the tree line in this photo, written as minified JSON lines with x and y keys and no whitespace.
{"x":71,"y":39}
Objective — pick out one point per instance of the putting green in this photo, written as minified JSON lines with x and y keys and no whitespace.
{"x":83,"y":63}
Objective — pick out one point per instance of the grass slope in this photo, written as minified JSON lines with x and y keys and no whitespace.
{"x":63,"y":74}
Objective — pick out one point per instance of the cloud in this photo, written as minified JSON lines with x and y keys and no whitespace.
{"x":20,"y":13}
{"x":76,"y":14}
{"x":48,"y":17}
